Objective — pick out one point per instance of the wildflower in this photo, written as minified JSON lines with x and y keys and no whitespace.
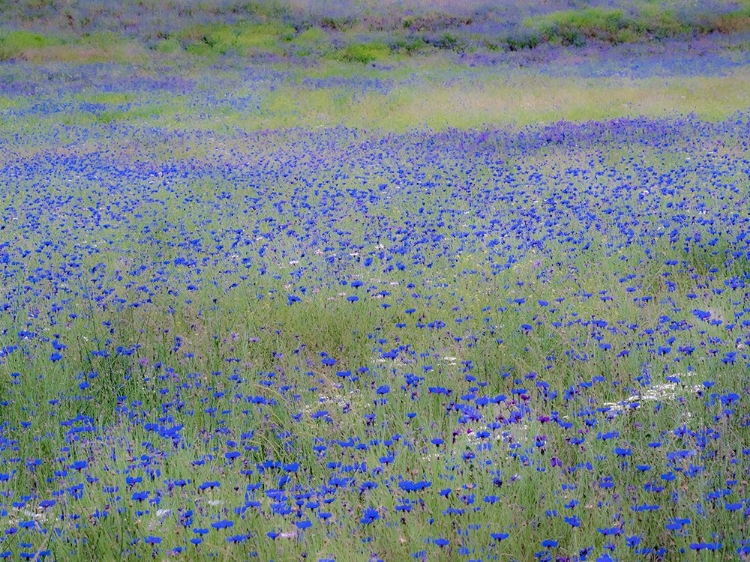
{"x":140,"y":496}
{"x":369,"y":516}
{"x":633,"y":541}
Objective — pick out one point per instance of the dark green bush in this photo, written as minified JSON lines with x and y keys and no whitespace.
{"x":407,"y":45}
{"x":447,"y":42}
{"x":522,"y":40}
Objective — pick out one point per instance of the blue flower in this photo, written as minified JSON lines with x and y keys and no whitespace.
{"x":408,"y":486}
{"x":370,"y":515}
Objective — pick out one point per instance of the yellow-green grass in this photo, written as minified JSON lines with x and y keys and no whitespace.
{"x":95,"y":48}
{"x":485,"y":100}
{"x":414,"y":95}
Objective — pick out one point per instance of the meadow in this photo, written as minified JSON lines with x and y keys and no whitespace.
{"x":310,"y":282}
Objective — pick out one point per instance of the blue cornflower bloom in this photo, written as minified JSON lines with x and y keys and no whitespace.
{"x":370,"y":515}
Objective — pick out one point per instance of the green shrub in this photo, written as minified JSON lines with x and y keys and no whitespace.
{"x":407,"y":45}
{"x":312,"y":35}
{"x":657,"y":23}
{"x":575,"y":27}
{"x":337,"y":24}
{"x":243,"y":38}
{"x":16,"y":42}
{"x":447,"y":42}
{"x":734,"y":22}
{"x":311,"y":41}
{"x":364,"y":52}
{"x":522,"y":40}
{"x":168,"y":45}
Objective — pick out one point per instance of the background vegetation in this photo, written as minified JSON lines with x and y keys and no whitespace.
{"x":351,"y":31}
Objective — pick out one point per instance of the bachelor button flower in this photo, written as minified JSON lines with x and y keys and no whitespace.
{"x":140,"y":496}
{"x":370,"y":515}
{"x":633,"y":541}
{"x":710,"y":546}
{"x":408,"y":486}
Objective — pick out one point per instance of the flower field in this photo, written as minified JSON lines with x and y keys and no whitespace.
{"x":442,"y":309}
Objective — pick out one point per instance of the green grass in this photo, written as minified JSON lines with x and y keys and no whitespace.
{"x":14,"y":43}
